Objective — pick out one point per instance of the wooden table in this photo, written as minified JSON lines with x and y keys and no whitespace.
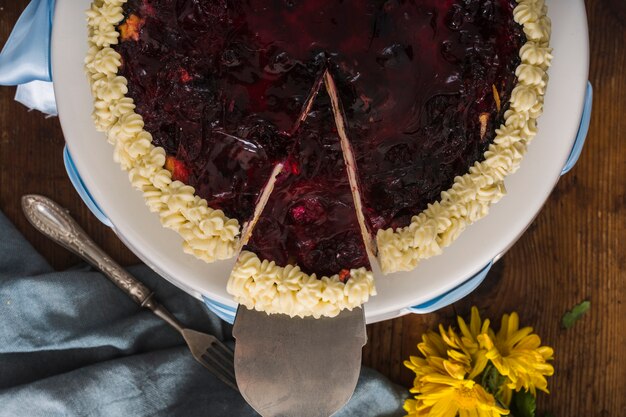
{"x":574,"y":250}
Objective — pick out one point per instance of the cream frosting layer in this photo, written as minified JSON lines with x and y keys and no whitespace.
{"x":208,"y":234}
{"x":472,"y":194}
{"x":264,"y":286}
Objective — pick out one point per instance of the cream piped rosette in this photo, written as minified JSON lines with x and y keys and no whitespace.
{"x":472,"y":194}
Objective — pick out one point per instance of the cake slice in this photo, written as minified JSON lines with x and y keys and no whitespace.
{"x":305,"y":254}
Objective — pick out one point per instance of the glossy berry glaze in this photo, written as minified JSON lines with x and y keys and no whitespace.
{"x":310,"y":219}
{"x":221,"y":85}
{"x":423,"y":96}
{"x":218,"y":100}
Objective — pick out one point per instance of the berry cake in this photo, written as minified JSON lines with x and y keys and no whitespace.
{"x":307,"y":137}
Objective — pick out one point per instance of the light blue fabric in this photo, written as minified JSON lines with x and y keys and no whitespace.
{"x":25,"y":57}
{"x":72,"y":344}
{"x":37,"y":95}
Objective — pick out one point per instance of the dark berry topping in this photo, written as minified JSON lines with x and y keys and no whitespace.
{"x":222,"y":85}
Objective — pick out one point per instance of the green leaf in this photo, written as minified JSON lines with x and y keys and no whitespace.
{"x":571,"y":317}
{"x":492,"y":382}
{"x":491,"y":379}
{"x":523,"y":404}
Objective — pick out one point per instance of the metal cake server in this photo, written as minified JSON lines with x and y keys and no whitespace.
{"x":53,"y":221}
{"x":294,"y":367}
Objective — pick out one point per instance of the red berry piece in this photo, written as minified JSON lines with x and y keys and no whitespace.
{"x":131,"y":27}
{"x":147,"y":8}
{"x":292,"y":167}
{"x":179,"y":170}
{"x":344,"y":275}
{"x":308,"y":211}
{"x":185,"y":77}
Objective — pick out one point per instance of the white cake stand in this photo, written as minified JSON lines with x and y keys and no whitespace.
{"x":435,"y":283}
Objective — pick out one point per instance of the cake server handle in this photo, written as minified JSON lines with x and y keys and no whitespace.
{"x":54,"y":221}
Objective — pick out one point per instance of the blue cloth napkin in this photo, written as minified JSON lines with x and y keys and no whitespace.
{"x":72,"y":344}
{"x":25,"y":58}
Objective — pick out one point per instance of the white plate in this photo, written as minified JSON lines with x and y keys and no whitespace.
{"x":160,"y":248}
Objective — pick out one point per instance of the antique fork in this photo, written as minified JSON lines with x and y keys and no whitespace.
{"x":54,"y":222}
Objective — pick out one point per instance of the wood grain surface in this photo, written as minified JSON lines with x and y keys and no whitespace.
{"x":574,"y":250}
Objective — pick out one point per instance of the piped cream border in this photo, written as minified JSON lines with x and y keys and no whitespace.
{"x":265,"y":286}
{"x":472,"y":194}
{"x":207,"y":233}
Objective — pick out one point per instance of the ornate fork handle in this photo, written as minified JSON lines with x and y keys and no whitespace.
{"x":53,"y":221}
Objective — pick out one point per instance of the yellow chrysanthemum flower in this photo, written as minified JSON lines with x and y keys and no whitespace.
{"x":434,"y":350}
{"x":469,"y":335}
{"x":442,"y":384}
{"x":517,"y":354}
{"x":458,"y":360}
{"x":448,"y":375}
{"x":446,"y":396}
{"x":469,"y":340}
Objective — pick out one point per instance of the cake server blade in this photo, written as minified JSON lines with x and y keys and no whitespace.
{"x":298,"y":367}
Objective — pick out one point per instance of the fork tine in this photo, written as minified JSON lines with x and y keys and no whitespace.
{"x":220,"y":370}
{"x":220,"y":357}
{"x":228,"y":368}
{"x":216,"y":372}
{"x":224,"y":351}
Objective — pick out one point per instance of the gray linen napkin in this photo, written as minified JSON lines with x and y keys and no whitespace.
{"x":71,"y":344}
